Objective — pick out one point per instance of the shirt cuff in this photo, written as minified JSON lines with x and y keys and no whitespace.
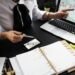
{"x":38,"y":14}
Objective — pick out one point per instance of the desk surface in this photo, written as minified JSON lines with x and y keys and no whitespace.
{"x":43,"y":36}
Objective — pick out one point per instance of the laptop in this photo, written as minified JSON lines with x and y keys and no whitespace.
{"x":63,"y":28}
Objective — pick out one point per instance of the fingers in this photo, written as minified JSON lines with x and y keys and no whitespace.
{"x":17,"y":38}
{"x":60,"y":14}
{"x":17,"y":32}
{"x":65,"y":10}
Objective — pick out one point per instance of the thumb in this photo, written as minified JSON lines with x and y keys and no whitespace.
{"x":17,"y":32}
{"x":65,"y":10}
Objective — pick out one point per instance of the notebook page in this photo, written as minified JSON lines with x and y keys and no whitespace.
{"x":15,"y":66}
{"x":59,"y":56}
{"x":33,"y":63}
{"x":2,"y":60}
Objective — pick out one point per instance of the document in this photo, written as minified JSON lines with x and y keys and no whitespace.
{"x":51,"y":59}
{"x":33,"y":63}
{"x":59,"y":56}
{"x":15,"y":66}
{"x":2,"y":61}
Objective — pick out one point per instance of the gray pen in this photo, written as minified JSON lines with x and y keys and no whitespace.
{"x":70,"y":9}
{"x":28,"y":36}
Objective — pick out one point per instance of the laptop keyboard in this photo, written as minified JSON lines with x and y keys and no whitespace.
{"x":61,"y":29}
{"x":63,"y":25}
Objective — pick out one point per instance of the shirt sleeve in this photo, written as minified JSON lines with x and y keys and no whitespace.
{"x":37,"y":13}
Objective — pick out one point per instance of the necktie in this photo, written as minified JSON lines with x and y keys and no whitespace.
{"x":22,"y":20}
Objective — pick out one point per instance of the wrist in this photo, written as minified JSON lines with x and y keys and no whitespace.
{"x":3,"y":35}
{"x":45,"y":16}
{"x":51,"y":15}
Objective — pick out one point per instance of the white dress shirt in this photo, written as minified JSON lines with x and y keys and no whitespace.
{"x":35,"y":13}
{"x":6,"y":13}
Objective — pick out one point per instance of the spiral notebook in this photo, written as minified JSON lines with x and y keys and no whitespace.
{"x":51,"y":59}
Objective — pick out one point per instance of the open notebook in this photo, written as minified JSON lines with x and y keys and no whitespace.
{"x":52,"y":59}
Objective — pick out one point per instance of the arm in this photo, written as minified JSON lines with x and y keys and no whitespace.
{"x":44,"y":15}
{"x":2,"y":35}
{"x":36,"y":12}
{"x":56,"y":15}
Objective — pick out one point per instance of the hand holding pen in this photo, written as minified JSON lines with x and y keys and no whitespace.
{"x":15,"y":36}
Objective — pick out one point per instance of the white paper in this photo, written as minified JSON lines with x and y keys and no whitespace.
{"x":15,"y":66}
{"x":31,"y":43}
{"x":33,"y":63}
{"x":59,"y":56}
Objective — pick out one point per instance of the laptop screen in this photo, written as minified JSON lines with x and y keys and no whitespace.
{"x":68,"y":4}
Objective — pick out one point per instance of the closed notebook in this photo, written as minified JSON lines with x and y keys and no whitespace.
{"x":51,"y":59}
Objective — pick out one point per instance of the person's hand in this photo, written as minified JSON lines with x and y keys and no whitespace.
{"x":61,"y":14}
{"x":58,"y":15}
{"x":14,"y":36}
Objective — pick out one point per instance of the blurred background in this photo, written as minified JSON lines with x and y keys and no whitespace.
{"x":48,"y":5}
